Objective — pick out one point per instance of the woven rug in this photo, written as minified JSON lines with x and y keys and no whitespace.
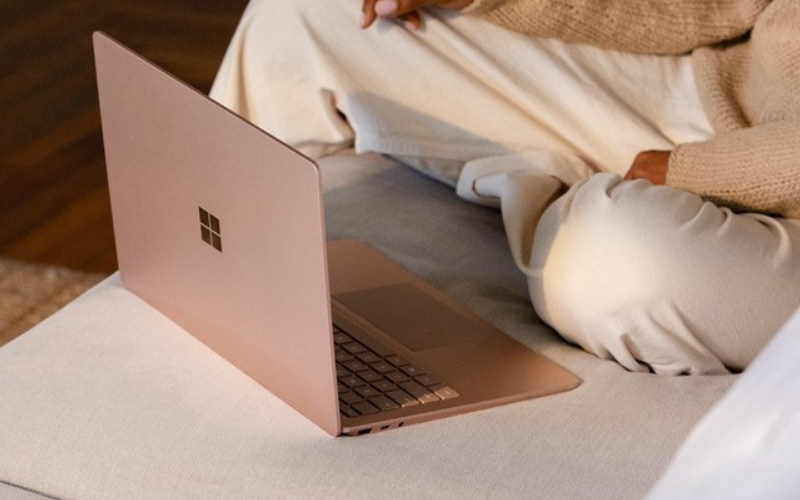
{"x":30,"y":293}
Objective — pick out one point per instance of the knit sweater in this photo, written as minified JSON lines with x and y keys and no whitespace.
{"x":746,"y":59}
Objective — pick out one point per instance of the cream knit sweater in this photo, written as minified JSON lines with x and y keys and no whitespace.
{"x":746,"y":57}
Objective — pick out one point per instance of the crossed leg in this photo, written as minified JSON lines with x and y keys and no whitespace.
{"x":650,"y":276}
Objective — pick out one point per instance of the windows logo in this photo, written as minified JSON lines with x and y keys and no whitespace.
{"x":210,"y":230}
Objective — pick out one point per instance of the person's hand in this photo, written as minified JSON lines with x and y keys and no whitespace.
{"x":650,"y":165}
{"x":406,"y":11}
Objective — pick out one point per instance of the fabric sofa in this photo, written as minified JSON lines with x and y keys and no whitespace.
{"x":110,"y":399}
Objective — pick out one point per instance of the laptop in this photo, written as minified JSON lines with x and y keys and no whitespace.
{"x":220,"y":226}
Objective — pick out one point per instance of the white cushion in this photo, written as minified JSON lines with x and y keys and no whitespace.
{"x":109,"y":399}
{"x":748,"y":446}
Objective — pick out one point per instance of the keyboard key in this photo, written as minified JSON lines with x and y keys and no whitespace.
{"x":352,"y":381}
{"x":368,"y":357}
{"x":403,"y":398}
{"x":342,"y":388}
{"x":353,"y":348}
{"x":343,"y":357}
{"x":384,"y":386}
{"x":419,"y":392}
{"x":341,"y":371}
{"x":347,"y":411}
{"x":351,"y":398}
{"x":396,"y":377}
{"x":411,"y":370}
{"x":355,"y":366}
{"x":397,"y":361}
{"x":382,"y":367}
{"x":427,"y":380}
{"x":365,"y":408}
{"x":444,"y":392}
{"x":341,"y":338}
{"x":383,"y":403}
{"x":367,"y":391}
{"x":370,"y":376}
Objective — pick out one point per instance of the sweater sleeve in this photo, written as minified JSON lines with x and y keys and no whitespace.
{"x":643,"y":26}
{"x":753,"y":169}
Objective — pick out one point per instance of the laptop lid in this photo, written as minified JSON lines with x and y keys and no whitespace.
{"x":220,"y":226}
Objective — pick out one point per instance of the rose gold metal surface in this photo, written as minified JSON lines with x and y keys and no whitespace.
{"x":262,"y":302}
{"x":490,"y":371}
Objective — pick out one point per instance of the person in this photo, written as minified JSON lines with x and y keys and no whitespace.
{"x":645,"y":154}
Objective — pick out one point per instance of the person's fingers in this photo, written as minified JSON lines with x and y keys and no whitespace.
{"x":412,"y":21}
{"x":399,"y":8}
{"x":405,"y":10}
{"x":368,"y":14}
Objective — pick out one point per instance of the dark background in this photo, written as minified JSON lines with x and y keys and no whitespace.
{"x":53,"y":195}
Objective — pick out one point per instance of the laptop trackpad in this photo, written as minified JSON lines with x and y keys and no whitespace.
{"x":413,"y":317}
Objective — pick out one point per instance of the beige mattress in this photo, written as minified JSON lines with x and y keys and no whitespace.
{"x":109,"y":399}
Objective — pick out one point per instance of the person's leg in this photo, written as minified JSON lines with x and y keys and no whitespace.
{"x":632,"y":275}
{"x":460,"y":90}
{"x":656,"y":278}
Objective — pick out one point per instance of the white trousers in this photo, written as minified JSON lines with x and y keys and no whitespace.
{"x":652,"y":277}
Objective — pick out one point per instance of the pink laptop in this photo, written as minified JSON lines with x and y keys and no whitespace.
{"x":220,"y":226}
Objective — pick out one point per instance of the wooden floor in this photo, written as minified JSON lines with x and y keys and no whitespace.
{"x":53,"y":196}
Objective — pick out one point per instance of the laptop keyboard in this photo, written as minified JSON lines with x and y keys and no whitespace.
{"x":373,"y":379}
